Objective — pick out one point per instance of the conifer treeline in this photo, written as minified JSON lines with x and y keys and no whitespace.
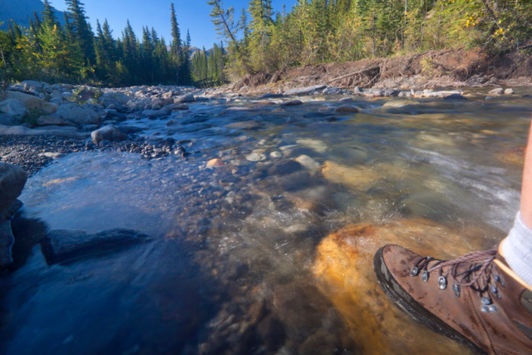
{"x":51,"y":52}
{"x":318,"y":31}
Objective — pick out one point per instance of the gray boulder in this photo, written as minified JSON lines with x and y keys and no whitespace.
{"x":32,"y":102}
{"x":66,"y":245}
{"x":496,"y":91}
{"x":306,"y":90}
{"x":156,"y":113}
{"x":114,"y":98}
{"x":6,"y":243}
{"x":12,"y":181}
{"x":184,"y":99}
{"x":292,"y":103}
{"x":13,"y":108}
{"x":78,"y":114}
{"x":110,"y":133}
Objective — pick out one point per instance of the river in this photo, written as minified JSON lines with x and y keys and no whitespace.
{"x":268,"y":251}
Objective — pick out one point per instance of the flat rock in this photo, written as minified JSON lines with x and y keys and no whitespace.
{"x":256,"y":155}
{"x":508,"y":91}
{"x":109,"y":133}
{"x":69,"y":245}
{"x":6,"y":243}
{"x":305,"y":91}
{"x":215,"y":163}
{"x":32,"y":102}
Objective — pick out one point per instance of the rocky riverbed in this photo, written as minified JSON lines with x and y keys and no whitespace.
{"x":170,"y":219}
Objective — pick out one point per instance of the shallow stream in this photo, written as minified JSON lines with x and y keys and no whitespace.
{"x":244,"y":258}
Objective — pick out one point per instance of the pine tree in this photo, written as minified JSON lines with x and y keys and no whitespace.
{"x":81,"y":30}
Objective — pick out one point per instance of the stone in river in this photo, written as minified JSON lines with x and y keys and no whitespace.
{"x":308,"y":163}
{"x":343,"y":268}
{"x":292,"y":103}
{"x":496,"y":91}
{"x":6,"y":243}
{"x":314,"y":144}
{"x":215,"y":163}
{"x":109,"y":133}
{"x":184,"y":99}
{"x":69,"y":245}
{"x":508,"y":91}
{"x":305,"y":91}
{"x":256,"y":155}
{"x":347,"y":109}
{"x":78,"y":114}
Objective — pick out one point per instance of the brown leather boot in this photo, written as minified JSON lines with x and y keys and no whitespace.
{"x":476,"y":299}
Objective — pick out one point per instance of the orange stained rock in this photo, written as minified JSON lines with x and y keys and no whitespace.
{"x":344,"y":271}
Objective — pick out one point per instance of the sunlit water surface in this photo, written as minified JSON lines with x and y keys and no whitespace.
{"x":244,"y":258}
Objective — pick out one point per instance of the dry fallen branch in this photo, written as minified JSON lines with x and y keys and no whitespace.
{"x":360,"y":72}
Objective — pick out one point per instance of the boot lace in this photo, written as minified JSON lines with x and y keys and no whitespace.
{"x":474,"y":270}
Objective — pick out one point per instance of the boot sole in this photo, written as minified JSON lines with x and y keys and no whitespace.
{"x":406,"y":303}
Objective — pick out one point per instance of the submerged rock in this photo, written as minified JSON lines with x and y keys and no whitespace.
{"x":69,"y":245}
{"x":6,"y":243}
{"x":292,"y":103}
{"x":347,"y":109}
{"x":344,"y":270}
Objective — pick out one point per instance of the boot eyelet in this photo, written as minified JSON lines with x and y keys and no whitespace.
{"x":442,"y":282}
{"x":414,"y":271}
{"x":425,"y":276}
{"x":486,"y":301}
{"x":456,"y":289}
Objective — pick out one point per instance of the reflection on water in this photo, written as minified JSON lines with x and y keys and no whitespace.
{"x":270,"y":251}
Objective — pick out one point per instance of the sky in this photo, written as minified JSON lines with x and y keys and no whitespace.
{"x":191,"y":14}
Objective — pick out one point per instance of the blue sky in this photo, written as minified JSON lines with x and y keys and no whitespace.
{"x":191,"y":14}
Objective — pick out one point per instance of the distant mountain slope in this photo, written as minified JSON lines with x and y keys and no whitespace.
{"x":21,"y":11}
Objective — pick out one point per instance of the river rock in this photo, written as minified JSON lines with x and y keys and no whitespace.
{"x":114,"y":98}
{"x":52,"y":120}
{"x":508,"y":91}
{"x":12,"y":181}
{"x":305,"y":91}
{"x":109,"y":133}
{"x":184,"y":99}
{"x":347,"y":109}
{"x":496,"y":91}
{"x":215,"y":163}
{"x":6,"y":243}
{"x":343,"y":268}
{"x":314,"y":144}
{"x":13,"y":108}
{"x":156,"y":113}
{"x":32,"y":102}
{"x":308,"y":163}
{"x":292,"y":103}
{"x":70,"y":245}
{"x":78,"y":114}
{"x":256,"y":155}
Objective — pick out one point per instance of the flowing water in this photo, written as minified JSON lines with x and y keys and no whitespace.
{"x":261,"y":254}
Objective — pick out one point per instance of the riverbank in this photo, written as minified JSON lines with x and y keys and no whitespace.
{"x":450,"y":68}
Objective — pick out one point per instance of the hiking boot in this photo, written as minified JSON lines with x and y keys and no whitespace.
{"x":476,"y":298}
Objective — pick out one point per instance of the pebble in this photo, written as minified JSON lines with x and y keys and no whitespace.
{"x":308,"y":163}
{"x":215,"y":163}
{"x":256,"y":156}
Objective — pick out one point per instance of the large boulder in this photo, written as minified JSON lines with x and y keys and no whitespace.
{"x":12,"y":181}
{"x":78,"y":114}
{"x":6,"y":243}
{"x":114,"y":98}
{"x":67,"y":245}
{"x":109,"y":133}
{"x":32,"y":102}
{"x":184,"y":99}
{"x":13,"y":108}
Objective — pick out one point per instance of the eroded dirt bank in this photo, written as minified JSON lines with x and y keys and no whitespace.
{"x":427,"y":70}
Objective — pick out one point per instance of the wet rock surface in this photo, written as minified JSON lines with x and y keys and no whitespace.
{"x":67,"y":246}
